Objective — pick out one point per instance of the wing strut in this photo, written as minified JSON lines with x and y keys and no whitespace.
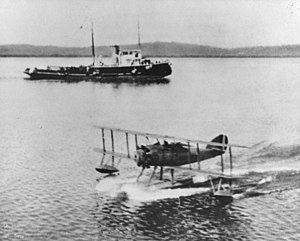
{"x":103,"y":139}
{"x":198,"y":157}
{"x":223,"y":150}
{"x":112,"y":146}
{"x":136,"y":142}
{"x":230,"y":158}
{"x":112,"y":141}
{"x":222,"y":164}
{"x":127,"y":144}
{"x":189,"y":154}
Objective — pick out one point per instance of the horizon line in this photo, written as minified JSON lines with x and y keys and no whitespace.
{"x":164,"y":42}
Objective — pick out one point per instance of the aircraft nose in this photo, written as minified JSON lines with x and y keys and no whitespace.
{"x":139,"y":157}
{"x":142,"y":157}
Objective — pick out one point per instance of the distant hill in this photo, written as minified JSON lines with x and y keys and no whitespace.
{"x":156,"y":49}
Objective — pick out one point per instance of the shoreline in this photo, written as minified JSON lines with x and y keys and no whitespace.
{"x":167,"y":56}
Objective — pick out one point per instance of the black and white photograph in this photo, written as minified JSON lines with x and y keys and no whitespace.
{"x":149,"y":120}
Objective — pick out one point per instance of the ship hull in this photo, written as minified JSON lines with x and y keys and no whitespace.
{"x":152,"y":71}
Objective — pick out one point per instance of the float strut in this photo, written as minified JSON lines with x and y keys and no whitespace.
{"x":161,"y":173}
{"x":141,"y":173}
{"x":152,"y":174}
{"x":172,"y":176}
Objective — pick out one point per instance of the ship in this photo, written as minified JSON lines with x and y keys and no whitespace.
{"x":125,"y":65}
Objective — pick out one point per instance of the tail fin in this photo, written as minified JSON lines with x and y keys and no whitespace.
{"x":222,"y":139}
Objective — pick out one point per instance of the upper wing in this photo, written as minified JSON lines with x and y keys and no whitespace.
{"x":168,"y":137}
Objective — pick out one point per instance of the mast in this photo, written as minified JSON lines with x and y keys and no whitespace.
{"x":93,"y":46}
{"x":139,"y":37}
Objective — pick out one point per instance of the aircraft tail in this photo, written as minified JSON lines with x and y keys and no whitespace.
{"x":222,"y":139}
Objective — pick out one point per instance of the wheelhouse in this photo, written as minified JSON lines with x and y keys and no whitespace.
{"x":130,"y":57}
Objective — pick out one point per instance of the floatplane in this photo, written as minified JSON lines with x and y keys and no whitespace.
{"x":179,"y":154}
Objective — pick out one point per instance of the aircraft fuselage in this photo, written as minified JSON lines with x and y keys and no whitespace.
{"x":173,"y":155}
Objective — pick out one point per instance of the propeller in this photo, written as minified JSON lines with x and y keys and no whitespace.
{"x":142,"y":156}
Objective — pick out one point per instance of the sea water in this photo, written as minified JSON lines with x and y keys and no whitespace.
{"x":49,"y":189}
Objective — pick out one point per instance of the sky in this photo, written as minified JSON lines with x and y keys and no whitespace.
{"x":220,"y":23}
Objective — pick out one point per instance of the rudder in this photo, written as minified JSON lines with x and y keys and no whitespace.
{"x":222,"y":139}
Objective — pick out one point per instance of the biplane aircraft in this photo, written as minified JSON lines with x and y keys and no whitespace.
{"x":173,"y":155}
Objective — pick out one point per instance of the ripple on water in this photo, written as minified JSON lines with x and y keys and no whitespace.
{"x":40,"y":209}
{"x":271,"y":215}
{"x":198,"y":217}
{"x":47,"y":164}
